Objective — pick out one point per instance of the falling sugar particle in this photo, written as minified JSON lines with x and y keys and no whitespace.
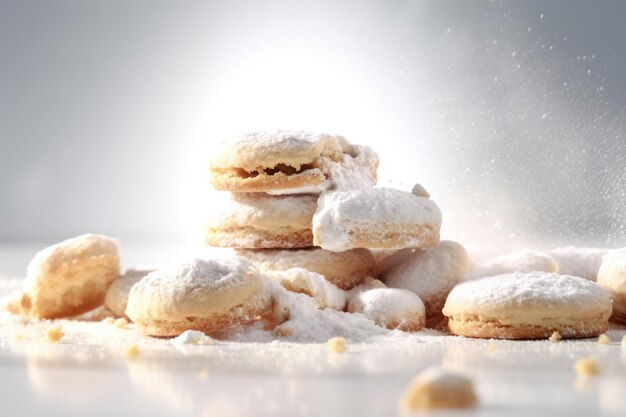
{"x":541,"y":16}
{"x":513,"y":53}
{"x":530,"y":28}
{"x":543,"y":116}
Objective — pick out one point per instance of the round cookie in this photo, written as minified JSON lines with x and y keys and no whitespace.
{"x":116,"y":298}
{"x":430,"y":273}
{"x":288,"y":162}
{"x":204,"y":295}
{"x":437,"y":388}
{"x":580,"y":262}
{"x":392,"y":308}
{"x":325,"y":294}
{"x":375,"y":218}
{"x":528,"y":305}
{"x":68,"y":278}
{"x":612,"y":277}
{"x":263,"y":221}
{"x":344,"y":269}
{"x":521,"y":261}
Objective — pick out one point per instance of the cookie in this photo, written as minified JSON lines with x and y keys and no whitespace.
{"x":376,"y":218}
{"x":580,"y":262}
{"x":204,"y":295}
{"x":528,"y":305}
{"x":290,"y":162}
{"x":521,"y":261}
{"x":430,"y":273}
{"x":116,"y":297}
{"x":391,"y":308}
{"x":263,"y":221}
{"x":344,"y":269}
{"x":68,"y":278}
{"x":612,"y":277}
{"x":437,"y":388}
{"x":325,"y":294}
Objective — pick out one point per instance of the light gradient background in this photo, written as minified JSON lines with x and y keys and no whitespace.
{"x":510,"y":113}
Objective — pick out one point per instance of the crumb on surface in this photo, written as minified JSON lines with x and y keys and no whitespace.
{"x":624,"y":340}
{"x":337,"y":344}
{"x":587,"y":366}
{"x":54,"y":334}
{"x":203,"y":374}
{"x":109,"y":320}
{"x":120,"y":323}
{"x":603,"y":339}
{"x":555,"y":338}
{"x":18,"y":336}
{"x":132,"y":351}
{"x":491,"y":346}
{"x":438,"y":389}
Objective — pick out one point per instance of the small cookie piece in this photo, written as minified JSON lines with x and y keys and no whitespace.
{"x":521,"y":261}
{"x":612,"y":277}
{"x":116,"y":297}
{"x":528,"y":305}
{"x":289,"y":162}
{"x":337,"y":344}
{"x":203,"y":295}
{"x":302,"y":281}
{"x":375,"y":218}
{"x":579,"y":262}
{"x":344,"y":269}
{"x":392,"y":308}
{"x":587,"y":366}
{"x":68,"y":278}
{"x":430,"y":273}
{"x":262,"y":221}
{"x":436,"y":388}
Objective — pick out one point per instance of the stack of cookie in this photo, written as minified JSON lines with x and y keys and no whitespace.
{"x":309,"y":200}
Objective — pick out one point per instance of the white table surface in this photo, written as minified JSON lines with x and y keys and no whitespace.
{"x":88,"y":374}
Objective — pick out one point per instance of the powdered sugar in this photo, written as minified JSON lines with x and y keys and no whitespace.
{"x":192,"y":337}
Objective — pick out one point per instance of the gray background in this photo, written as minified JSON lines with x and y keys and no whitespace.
{"x":510,"y":113}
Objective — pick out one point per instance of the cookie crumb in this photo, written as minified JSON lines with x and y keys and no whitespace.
{"x":603,"y":339}
{"x":108,"y":320}
{"x":337,"y":344}
{"x":18,"y":336}
{"x":203,"y":374}
{"x":555,"y":338}
{"x":120,"y":323}
{"x":132,"y":351}
{"x":438,"y":388}
{"x":491,"y":346}
{"x":587,"y":366}
{"x":624,"y":340}
{"x":54,"y":334}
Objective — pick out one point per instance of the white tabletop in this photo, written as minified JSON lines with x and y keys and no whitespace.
{"x":88,"y":373}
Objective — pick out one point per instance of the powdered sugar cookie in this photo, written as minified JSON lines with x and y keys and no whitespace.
{"x":528,"y":305}
{"x":376,"y":218}
{"x":580,"y":262}
{"x":343,"y":269}
{"x":430,"y":273}
{"x":289,"y":162}
{"x":68,"y":278}
{"x":203,"y":295}
{"x":612,"y":277}
{"x":392,"y":308}
{"x":116,"y":297}
{"x":522,"y":261}
{"x":325,"y":294}
{"x":259,"y":220}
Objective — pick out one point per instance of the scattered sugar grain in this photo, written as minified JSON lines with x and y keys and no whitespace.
{"x":108,"y":320}
{"x":603,"y":339}
{"x":624,"y":340}
{"x":192,"y":337}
